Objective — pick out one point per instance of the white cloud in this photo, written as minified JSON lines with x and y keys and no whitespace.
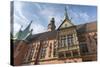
{"x":37,"y":28}
{"x":20,"y":19}
{"x":38,"y":6}
{"x":47,"y":13}
{"x":58,"y":20}
{"x":75,"y":14}
{"x":84,"y":16}
{"x":18,"y":11}
{"x":16,"y":28}
{"x":52,"y":12}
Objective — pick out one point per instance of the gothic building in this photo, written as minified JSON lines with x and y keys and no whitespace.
{"x":69,"y":43}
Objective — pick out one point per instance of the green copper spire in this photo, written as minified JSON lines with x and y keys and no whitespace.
{"x":26,"y":31}
{"x":27,"y":28}
{"x":18,"y":34}
{"x":22,"y":35}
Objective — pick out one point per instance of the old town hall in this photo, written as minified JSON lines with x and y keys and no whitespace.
{"x":67,"y":44}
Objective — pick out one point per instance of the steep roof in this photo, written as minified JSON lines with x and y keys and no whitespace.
{"x":66,"y":21}
{"x":44,"y":36}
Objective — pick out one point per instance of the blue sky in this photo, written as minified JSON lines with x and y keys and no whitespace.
{"x":41,"y":13}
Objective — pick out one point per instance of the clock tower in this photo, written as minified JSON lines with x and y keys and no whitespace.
{"x":51,"y":25}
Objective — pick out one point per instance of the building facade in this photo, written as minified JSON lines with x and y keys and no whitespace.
{"x":87,"y":36}
{"x":67,"y":44}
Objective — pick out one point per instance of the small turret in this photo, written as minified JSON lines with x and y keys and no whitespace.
{"x":51,"y":25}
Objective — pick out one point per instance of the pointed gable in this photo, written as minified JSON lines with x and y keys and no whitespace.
{"x":66,"y":23}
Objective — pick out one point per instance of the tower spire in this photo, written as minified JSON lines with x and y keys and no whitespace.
{"x":19,"y":33}
{"x":66,"y":14}
{"x":27,"y":30}
{"x":29,"y":25}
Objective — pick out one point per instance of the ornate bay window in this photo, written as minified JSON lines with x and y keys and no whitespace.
{"x":70,"y":40}
{"x":67,"y":41}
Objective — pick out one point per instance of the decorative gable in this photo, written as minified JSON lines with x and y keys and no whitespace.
{"x":66,"y":23}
